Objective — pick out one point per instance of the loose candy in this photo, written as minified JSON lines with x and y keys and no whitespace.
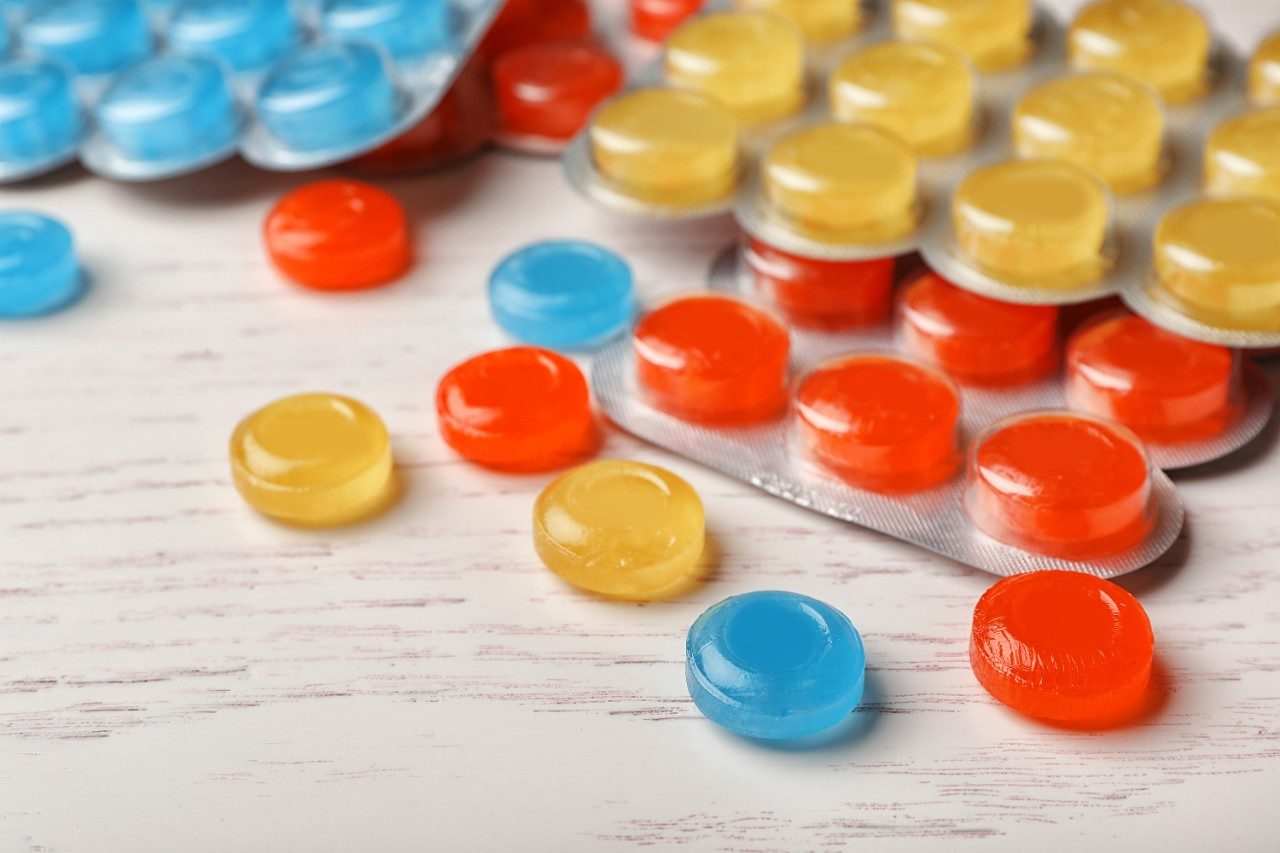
{"x":1165,"y":43}
{"x":923,"y":92}
{"x":977,"y":339}
{"x":1243,"y":155}
{"x":339,"y":235}
{"x":39,"y":272}
{"x":1062,"y":485}
{"x":666,"y":146}
{"x":821,"y":21}
{"x":655,"y":19}
{"x":712,"y":359}
{"x":620,"y":529}
{"x":562,"y":293}
{"x":1164,"y":387}
{"x":752,"y":63}
{"x":881,"y":423}
{"x":315,"y":460}
{"x":1108,"y":122}
{"x":819,"y":293}
{"x":548,"y":91}
{"x":523,"y":409}
{"x":775,"y":665}
{"x":994,"y":33}
{"x":1062,"y":646}
{"x":1033,"y":222}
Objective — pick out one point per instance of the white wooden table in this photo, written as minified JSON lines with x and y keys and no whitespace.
{"x":177,"y":672}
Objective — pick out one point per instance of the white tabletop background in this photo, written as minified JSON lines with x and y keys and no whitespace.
{"x":177,"y":672}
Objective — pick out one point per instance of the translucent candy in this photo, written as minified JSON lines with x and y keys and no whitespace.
{"x":752,"y":63}
{"x":39,"y":272}
{"x":339,"y":235}
{"x":1033,"y":222}
{"x":976,"y":339}
{"x":1264,"y":72}
{"x":1164,"y":387}
{"x":314,"y":460}
{"x":89,"y":36}
{"x":842,"y":182}
{"x":1218,"y":260}
{"x":655,"y":19}
{"x":520,"y":409}
{"x":1062,"y":646}
{"x":821,"y":21}
{"x":248,"y":35}
{"x":550,"y":90}
{"x":774,"y":665}
{"x":881,"y":423}
{"x":712,"y":359}
{"x":40,"y":120}
{"x":1110,"y":123}
{"x":562,"y":293}
{"x":406,"y":28}
{"x":1061,"y":485}
{"x":818,"y":293}
{"x":994,"y":33}
{"x":1243,"y":155}
{"x":666,"y":146}
{"x":1164,"y":42}
{"x":620,"y":529}
{"x":923,"y":92}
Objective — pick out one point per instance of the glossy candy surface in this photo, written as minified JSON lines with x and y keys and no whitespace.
{"x":712,"y":359}
{"x":976,"y":339}
{"x":994,"y":33}
{"x":39,"y":272}
{"x":550,"y":90}
{"x":40,"y":120}
{"x":1062,"y":646}
{"x":1035,"y":222}
{"x":655,"y":19}
{"x":562,"y":293}
{"x":1062,"y":485}
{"x":1110,"y":123}
{"x":1164,"y":387}
{"x":666,"y":146}
{"x":821,"y":21}
{"x":523,"y":409}
{"x":1218,"y":260}
{"x":774,"y":665}
{"x":339,"y":235}
{"x":752,"y":63}
{"x":88,"y":36}
{"x":1264,"y":72}
{"x":248,"y":35}
{"x":1165,"y":43}
{"x":1243,"y":155}
{"x":842,"y":182}
{"x":407,"y":28}
{"x":620,"y":529}
{"x":820,"y":293}
{"x":313,"y":460}
{"x":921,"y":91}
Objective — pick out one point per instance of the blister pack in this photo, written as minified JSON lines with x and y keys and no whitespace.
{"x":148,"y":90}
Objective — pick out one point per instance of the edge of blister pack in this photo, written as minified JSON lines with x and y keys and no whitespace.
{"x":728,"y":274}
{"x":935,"y":519}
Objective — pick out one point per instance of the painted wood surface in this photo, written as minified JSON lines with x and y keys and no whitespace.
{"x":179,"y":673}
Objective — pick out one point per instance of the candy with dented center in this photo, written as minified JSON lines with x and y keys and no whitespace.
{"x":1163,"y":42}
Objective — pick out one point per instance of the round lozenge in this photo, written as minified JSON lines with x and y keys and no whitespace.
{"x":923,"y":92}
{"x":518,"y":409}
{"x":842,"y":182}
{"x":654,"y":20}
{"x":1062,"y":485}
{"x":879,"y":422}
{"x":1165,"y":43}
{"x":1062,"y":646}
{"x":549,"y":91}
{"x":87,"y":36}
{"x":315,"y":460}
{"x":40,"y":118}
{"x":752,"y":63}
{"x":1242,"y":156}
{"x":1108,"y":122}
{"x":995,"y":34}
{"x":1164,"y":387}
{"x":775,"y":665}
{"x":1264,"y":72}
{"x":249,"y":35}
{"x":1218,"y":260}
{"x":666,"y":146}
{"x":1033,"y":222}
{"x":620,"y":529}
{"x":976,"y":339}
{"x":821,"y":21}
{"x":712,"y":359}
{"x":819,"y":293}
{"x":39,"y":271}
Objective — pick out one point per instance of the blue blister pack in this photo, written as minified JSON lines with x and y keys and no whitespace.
{"x":149,"y":90}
